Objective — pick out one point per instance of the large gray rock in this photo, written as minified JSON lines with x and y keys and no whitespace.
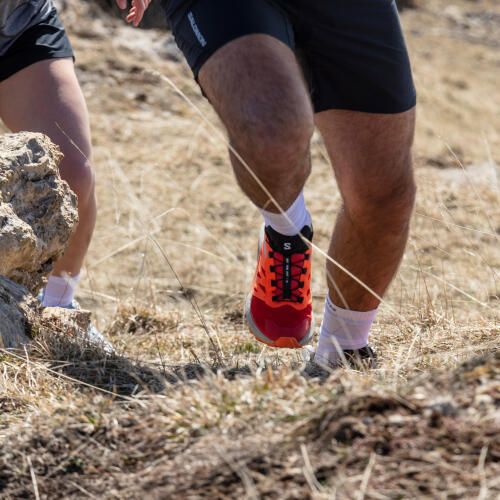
{"x":38,"y":215}
{"x":38,"y":211}
{"x":22,"y":318}
{"x":18,"y":309}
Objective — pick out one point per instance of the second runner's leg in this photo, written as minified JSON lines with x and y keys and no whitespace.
{"x":45,"y":97}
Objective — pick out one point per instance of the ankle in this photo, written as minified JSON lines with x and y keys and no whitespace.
{"x":342,"y":329}
{"x":291,"y":221}
{"x":59,"y":291}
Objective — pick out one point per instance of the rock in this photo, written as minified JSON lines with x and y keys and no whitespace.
{"x":18,"y":308}
{"x":62,"y":328}
{"x":38,"y":211}
{"x":74,"y":322}
{"x":38,"y":215}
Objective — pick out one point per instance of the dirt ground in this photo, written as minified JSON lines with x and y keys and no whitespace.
{"x":192,"y":406}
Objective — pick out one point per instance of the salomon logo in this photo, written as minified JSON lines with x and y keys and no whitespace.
{"x":287,"y":246}
{"x":196,"y":30}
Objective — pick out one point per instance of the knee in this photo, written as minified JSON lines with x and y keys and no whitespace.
{"x":256,"y":87}
{"x":78,"y":172}
{"x":276,"y":137}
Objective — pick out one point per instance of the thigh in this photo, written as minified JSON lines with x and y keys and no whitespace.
{"x":46,"y":97}
{"x":242,"y":55}
{"x":255,"y":82}
{"x":370,"y":153}
{"x":249,"y":72}
{"x":355,"y":55}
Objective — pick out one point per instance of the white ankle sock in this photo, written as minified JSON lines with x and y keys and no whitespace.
{"x":342,"y":329}
{"x":59,"y":291}
{"x":297,"y":217}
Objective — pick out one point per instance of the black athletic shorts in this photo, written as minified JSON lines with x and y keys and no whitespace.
{"x":45,"y":40}
{"x":352,"y":52}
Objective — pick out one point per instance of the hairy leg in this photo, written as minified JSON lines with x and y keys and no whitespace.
{"x":257,"y":89}
{"x":371,"y":157}
{"x":45,"y":97}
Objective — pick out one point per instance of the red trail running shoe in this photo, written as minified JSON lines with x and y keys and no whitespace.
{"x":279,"y":306}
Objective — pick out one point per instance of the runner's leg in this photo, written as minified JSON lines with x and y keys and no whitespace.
{"x":371,"y":157}
{"x":256,"y":87}
{"x":45,"y":97}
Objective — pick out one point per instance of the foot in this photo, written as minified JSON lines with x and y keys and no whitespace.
{"x":279,"y":306}
{"x":358,"y":359}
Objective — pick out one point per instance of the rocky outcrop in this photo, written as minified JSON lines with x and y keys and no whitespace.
{"x":37,"y":209}
{"x":18,"y":310}
{"x":38,"y":215}
{"x":70,"y":321}
{"x":22,"y":318}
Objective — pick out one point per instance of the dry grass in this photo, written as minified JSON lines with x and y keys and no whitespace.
{"x":191,"y":405}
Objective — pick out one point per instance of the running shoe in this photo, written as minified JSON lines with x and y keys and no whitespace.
{"x":358,"y":359}
{"x":279,"y":306}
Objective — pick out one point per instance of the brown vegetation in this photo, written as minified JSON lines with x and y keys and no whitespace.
{"x":191,"y":406}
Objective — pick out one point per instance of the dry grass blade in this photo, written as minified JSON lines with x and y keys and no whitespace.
{"x":175,"y":415}
{"x":33,"y":478}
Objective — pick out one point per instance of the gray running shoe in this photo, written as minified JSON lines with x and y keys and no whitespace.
{"x":358,"y":359}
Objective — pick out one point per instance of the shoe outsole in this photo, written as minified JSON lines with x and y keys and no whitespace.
{"x":282,"y":342}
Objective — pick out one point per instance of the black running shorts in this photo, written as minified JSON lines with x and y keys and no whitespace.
{"x":352,"y":52}
{"x":45,"y":40}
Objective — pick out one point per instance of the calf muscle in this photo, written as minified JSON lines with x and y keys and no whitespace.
{"x":45,"y":97}
{"x":371,"y":157}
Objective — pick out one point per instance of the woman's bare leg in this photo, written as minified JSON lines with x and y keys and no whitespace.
{"x":45,"y":97}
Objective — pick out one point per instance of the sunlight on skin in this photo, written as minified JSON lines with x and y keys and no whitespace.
{"x":143,"y":402}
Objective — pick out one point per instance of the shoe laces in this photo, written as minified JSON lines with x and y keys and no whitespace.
{"x":288,"y":270}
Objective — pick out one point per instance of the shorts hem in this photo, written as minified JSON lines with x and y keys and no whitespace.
{"x":366,"y":108}
{"x":37,"y":54}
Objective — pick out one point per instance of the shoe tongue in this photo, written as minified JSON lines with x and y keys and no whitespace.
{"x":288,"y":245}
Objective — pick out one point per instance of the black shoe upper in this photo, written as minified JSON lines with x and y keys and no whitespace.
{"x":288,"y":245}
{"x":366,"y":357}
{"x":289,"y":254}
{"x":358,"y":359}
